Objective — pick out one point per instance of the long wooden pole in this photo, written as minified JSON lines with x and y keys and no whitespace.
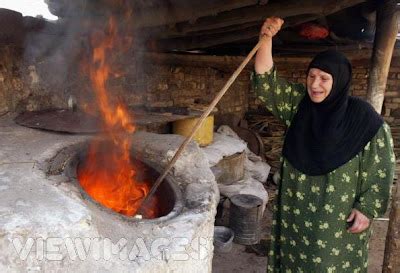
{"x":220,"y":94}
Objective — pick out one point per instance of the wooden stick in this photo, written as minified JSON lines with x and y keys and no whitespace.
{"x":197,"y":126}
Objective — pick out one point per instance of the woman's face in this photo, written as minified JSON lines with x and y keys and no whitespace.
{"x":319,"y":84}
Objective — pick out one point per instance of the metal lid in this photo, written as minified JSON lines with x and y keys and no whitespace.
{"x":246,"y":200}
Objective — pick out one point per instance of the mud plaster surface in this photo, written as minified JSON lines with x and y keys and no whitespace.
{"x":35,"y":205}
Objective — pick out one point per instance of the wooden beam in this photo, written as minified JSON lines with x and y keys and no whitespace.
{"x":391,"y":263}
{"x":172,"y":33}
{"x":199,"y":42}
{"x":230,"y":34}
{"x":174,"y":11}
{"x":187,"y":11}
{"x":155,"y":13}
{"x":259,"y":13}
{"x":314,"y":48}
{"x":295,"y":13}
{"x":385,"y":38}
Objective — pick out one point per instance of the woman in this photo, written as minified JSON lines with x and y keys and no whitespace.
{"x":337,"y":165}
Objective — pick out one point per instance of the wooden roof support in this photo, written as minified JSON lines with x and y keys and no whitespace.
{"x":385,"y":38}
{"x":311,"y":49}
{"x":148,"y":13}
{"x":391,"y":262}
{"x":204,"y":41}
{"x":259,"y":13}
{"x":174,"y":11}
{"x":174,"y":33}
{"x":295,"y":12}
{"x":187,"y":11}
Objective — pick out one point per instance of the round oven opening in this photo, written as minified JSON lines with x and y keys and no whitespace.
{"x":167,"y":200}
{"x":126,"y":197}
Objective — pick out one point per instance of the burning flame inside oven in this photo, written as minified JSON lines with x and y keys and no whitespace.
{"x":108,"y":174}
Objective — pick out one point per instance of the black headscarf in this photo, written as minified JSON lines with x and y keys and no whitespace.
{"x":324,"y":136}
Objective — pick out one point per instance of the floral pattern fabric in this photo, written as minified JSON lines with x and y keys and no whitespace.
{"x":309,"y":229}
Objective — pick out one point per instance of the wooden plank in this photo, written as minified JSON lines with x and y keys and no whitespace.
{"x":298,"y":12}
{"x":187,"y":11}
{"x":174,"y":32}
{"x":391,"y":263}
{"x":198,"y":15}
{"x":259,"y":13}
{"x":314,"y":48}
{"x":225,"y":35}
{"x":198,"y":42}
{"x":156,"y":13}
{"x":385,"y":38}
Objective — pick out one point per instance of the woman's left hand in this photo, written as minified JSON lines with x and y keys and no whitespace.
{"x":360,"y":221}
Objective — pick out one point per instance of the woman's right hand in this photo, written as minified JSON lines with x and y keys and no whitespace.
{"x":271,"y":27}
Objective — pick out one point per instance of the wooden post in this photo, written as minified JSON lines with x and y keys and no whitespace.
{"x":391,"y":261}
{"x":385,"y":38}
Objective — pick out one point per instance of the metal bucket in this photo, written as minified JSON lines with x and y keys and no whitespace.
{"x":244,"y":218}
{"x":223,"y":237}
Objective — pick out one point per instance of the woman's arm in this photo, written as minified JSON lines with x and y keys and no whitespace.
{"x":376,"y":174}
{"x":279,"y":96}
{"x":263,"y":61}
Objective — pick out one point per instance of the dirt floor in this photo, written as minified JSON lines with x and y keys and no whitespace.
{"x":245,"y":259}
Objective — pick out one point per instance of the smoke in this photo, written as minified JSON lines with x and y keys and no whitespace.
{"x":57,"y":50}
{"x":52,"y":48}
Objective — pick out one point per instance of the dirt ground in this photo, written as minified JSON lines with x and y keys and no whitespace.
{"x":253,"y":260}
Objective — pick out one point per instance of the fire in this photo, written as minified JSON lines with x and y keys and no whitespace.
{"x":108,"y":174}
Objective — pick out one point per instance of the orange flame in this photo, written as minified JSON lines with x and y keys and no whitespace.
{"x":107,"y":174}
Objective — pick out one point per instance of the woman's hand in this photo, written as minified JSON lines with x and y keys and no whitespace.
{"x":360,"y":221}
{"x":271,"y":26}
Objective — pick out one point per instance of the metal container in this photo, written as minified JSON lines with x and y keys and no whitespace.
{"x":244,"y":218}
{"x":223,"y":237}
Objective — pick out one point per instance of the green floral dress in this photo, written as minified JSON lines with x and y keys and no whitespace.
{"x":309,"y":229}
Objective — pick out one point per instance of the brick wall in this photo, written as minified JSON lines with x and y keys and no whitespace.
{"x":163,"y":80}
{"x":27,"y":85}
{"x":182,"y":85}
{"x":145,"y":82}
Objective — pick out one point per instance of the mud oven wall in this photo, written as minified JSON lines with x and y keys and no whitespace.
{"x":46,"y":224}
